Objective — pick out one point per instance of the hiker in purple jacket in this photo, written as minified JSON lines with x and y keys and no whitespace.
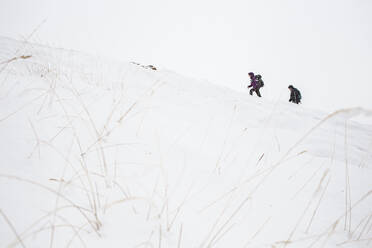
{"x":254,"y":84}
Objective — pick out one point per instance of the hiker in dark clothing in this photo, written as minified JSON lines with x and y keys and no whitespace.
{"x":295,"y":95}
{"x":255,"y":84}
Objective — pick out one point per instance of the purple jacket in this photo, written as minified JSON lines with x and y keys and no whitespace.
{"x":254,"y":83}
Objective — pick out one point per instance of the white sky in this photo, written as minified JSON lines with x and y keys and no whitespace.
{"x":323,"y":47}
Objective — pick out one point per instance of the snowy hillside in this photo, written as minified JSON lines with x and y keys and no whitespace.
{"x":97,"y":153}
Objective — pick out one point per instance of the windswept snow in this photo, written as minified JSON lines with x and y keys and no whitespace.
{"x":99,"y":153}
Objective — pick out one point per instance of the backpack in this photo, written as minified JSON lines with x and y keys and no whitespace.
{"x":259,"y":80}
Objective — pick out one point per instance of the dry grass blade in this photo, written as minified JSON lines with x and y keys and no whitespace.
{"x":22,"y":47}
{"x":217,"y":221}
{"x":261,"y":228}
{"x":333,"y":226}
{"x":160,"y":236}
{"x":22,"y":107}
{"x":54,"y":192}
{"x":15,"y":58}
{"x":306,"y":209}
{"x":318,"y":205}
{"x":228,"y":220}
{"x":109,"y":205}
{"x":180,"y":237}
{"x":320,"y":123}
{"x":76,"y":231}
{"x":347,"y":187}
{"x":221,"y":235}
{"x":12,"y":228}
{"x":307,"y":182}
{"x":56,"y":207}
{"x":364,"y":227}
{"x":27,"y":232}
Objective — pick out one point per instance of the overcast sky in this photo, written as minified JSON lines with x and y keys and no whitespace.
{"x":323,"y":47}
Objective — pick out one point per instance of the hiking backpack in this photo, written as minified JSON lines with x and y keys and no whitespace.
{"x":259,"y":80}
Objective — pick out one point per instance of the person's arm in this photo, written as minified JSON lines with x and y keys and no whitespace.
{"x":297,"y":96}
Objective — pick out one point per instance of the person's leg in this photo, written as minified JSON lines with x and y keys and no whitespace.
{"x":258,"y":92}
{"x":251,"y":91}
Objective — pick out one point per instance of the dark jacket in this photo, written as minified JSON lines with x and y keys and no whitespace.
{"x":295,"y":96}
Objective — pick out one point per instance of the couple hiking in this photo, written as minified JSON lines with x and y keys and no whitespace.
{"x":257,"y":83}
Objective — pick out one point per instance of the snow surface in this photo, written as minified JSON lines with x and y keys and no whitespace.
{"x":99,"y":153}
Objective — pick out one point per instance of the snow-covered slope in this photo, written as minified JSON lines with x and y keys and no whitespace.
{"x":97,"y":153}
